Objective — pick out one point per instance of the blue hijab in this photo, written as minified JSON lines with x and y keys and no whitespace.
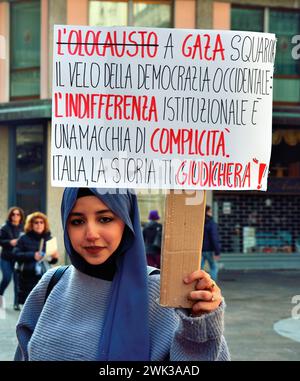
{"x":125,"y":334}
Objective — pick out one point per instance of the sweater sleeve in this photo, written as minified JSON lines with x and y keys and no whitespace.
{"x":200,"y":338}
{"x":188,"y":338}
{"x":30,"y":315}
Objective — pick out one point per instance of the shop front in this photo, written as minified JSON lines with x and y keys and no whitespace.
{"x":266,"y":224}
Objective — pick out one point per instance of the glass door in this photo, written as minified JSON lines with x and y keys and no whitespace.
{"x":28,"y":174}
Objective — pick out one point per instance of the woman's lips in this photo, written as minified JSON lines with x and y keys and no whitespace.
{"x":94,"y":249}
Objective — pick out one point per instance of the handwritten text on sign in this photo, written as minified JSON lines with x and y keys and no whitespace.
{"x":161,"y":108}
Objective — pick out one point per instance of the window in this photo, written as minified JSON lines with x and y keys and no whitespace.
{"x":251,"y":19}
{"x":108,"y":13}
{"x":148,"y":13}
{"x":285,"y":24}
{"x":258,"y":224}
{"x":28,"y":152}
{"x":25,"y":50}
{"x":285,"y":159}
{"x":151,"y":14}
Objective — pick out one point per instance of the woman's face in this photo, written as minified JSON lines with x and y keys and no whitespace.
{"x":38,"y":225}
{"x":94,"y":230}
{"x":15,"y":217}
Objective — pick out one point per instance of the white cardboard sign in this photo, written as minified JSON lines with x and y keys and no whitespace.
{"x":161,"y":108}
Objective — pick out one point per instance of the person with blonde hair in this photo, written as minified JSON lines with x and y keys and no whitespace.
{"x":30,"y":252}
{"x":10,"y":232}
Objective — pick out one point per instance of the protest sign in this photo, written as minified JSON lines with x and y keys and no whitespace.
{"x":161,"y":108}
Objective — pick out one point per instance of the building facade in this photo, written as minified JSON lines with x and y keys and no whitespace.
{"x":249,"y":222}
{"x":256,"y":222}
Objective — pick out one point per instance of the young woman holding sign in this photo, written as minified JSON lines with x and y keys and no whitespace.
{"x":105,"y":305}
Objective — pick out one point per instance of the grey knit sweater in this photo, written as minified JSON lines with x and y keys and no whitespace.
{"x":69,"y":326}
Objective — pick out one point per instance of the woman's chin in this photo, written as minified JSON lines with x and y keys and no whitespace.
{"x":96,"y":260}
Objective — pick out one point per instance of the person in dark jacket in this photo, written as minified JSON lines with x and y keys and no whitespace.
{"x":10,"y":232}
{"x":211,"y":244}
{"x":30,"y":252}
{"x":152,"y":234}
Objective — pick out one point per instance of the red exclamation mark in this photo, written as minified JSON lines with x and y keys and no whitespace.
{"x":261,"y":172}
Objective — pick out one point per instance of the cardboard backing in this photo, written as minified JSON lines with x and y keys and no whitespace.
{"x":182,"y":246}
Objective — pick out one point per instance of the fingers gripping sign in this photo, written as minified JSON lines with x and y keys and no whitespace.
{"x":207,"y":295}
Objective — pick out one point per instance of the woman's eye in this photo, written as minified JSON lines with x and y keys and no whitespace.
{"x":76,"y":222}
{"x":105,"y":220}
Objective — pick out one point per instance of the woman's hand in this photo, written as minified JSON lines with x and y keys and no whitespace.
{"x":38,"y":256}
{"x":13,"y":242}
{"x":207,"y":295}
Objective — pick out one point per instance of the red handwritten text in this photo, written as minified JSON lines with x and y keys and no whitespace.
{"x":188,"y":141}
{"x":108,"y":106}
{"x":199,"y":47}
{"x":213,"y":174}
{"x":107,"y":43}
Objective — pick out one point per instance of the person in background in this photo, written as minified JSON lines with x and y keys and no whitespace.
{"x":104,"y":307}
{"x":211,"y":244}
{"x":10,"y":232}
{"x":29,"y":253}
{"x":152,"y":234}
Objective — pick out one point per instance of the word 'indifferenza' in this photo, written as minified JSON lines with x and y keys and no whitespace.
{"x":105,"y":106}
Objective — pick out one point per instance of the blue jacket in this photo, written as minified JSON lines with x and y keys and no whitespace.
{"x":211,"y":240}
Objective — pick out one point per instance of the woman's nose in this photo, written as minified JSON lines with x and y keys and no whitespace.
{"x":91,"y":233}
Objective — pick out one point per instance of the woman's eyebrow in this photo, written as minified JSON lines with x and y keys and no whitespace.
{"x":75,"y":214}
{"x":104,"y":211}
{"x":97,"y":212}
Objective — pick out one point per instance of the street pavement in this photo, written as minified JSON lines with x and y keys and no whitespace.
{"x":8,"y":320}
{"x":256,"y":302}
{"x":258,"y":322}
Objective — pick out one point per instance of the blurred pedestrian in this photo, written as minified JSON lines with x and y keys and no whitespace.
{"x":10,"y":232}
{"x":211,"y":244}
{"x":152,"y":234}
{"x":30,"y":251}
{"x":104,"y":307}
